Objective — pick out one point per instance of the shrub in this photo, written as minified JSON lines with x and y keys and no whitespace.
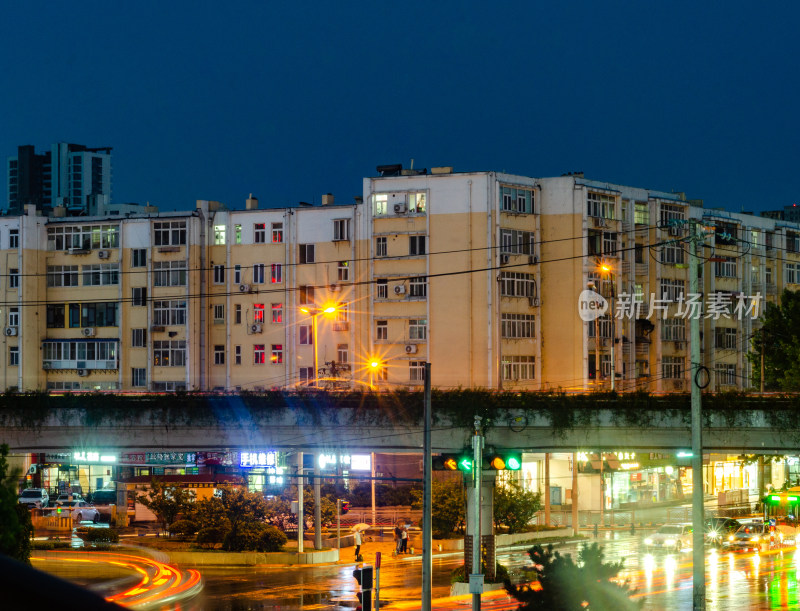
{"x":245,"y":538}
{"x":184,"y":529}
{"x":210,"y":536}
{"x":271,"y":540}
{"x":98,"y":535}
{"x":48,"y":545}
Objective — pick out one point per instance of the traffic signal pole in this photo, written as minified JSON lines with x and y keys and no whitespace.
{"x":476,"y":578}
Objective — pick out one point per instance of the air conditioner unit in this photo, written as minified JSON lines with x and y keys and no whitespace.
{"x":255,"y":328}
{"x":334,"y":288}
{"x":411,"y":348}
{"x":504,"y":259}
{"x":533,"y":302}
{"x":103,"y":254}
{"x":83,"y":372}
{"x":400,"y":208}
{"x":88,"y":332}
{"x":244,"y":288}
{"x":533,"y":260}
{"x":675,"y":230}
{"x":11,"y":331}
{"x":400,"y":289}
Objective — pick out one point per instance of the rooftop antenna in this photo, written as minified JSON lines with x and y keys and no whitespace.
{"x":412,"y":164}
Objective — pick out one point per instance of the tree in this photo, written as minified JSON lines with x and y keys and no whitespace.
{"x":166,"y":501}
{"x":778,"y":339}
{"x":514,"y":506}
{"x":243,"y":509}
{"x":16,"y":528}
{"x":562,"y":584}
{"x":447,"y":503}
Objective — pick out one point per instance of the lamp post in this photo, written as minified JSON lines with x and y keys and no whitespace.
{"x":314,"y":313}
{"x":608,"y":270}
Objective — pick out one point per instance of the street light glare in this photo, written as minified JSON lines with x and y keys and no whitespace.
{"x":305,"y":310}
{"x":374,"y":364}
{"x":605,"y":268}
{"x":329,"y":310}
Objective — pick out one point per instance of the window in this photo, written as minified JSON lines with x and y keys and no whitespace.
{"x":609,"y":243}
{"x":219,"y":234}
{"x":169,"y":386}
{"x":237,"y":234}
{"x":306,"y":253}
{"x":517,"y":200}
{"x":55,"y":316}
{"x":83,"y":237}
{"x":13,"y":356}
{"x":672,"y":254}
{"x":138,"y":338}
{"x":638,"y":253}
{"x":380,"y":204}
{"x":343,"y":354}
{"x":169,"y":353}
{"x":62,"y":275}
{"x":518,"y":326}
{"x":725,"y":338}
{"x":237,"y":314}
{"x":306,"y":375}
{"x":519,"y":368}
{"x":383,"y":288}
{"x":380,"y":246}
{"x":219,"y":274}
{"x":277,"y":233}
{"x":276,"y":275}
{"x":673,"y":329}
{"x":416,"y":203}
{"x":344,"y":271}
{"x":726,"y":374}
{"x":237,"y":355}
{"x":418,"y":287}
{"x":259,"y":233}
{"x":259,"y":354}
{"x":277,"y":312}
{"x":418,"y":329}
{"x":416,"y":371}
{"x":726,"y":233}
{"x":139,"y":296}
{"x":725,"y":268}
{"x":514,"y":284}
{"x":169,"y":233}
{"x":672,"y":215}
{"x":306,"y":296}
{"x":341,"y":229}
{"x":13,"y":317}
{"x":102,"y":274}
{"x":672,"y":290}
{"x":416,"y":245}
{"x":513,"y":242}
{"x":169,"y":273}
{"x":601,"y":205}
{"x":258,"y":312}
{"x":219,"y":313}
{"x":258,"y":273}
{"x":306,"y":335}
{"x":138,"y":377}
{"x":219,"y":354}
{"x":672,"y":367}
{"x":276,"y":356}
{"x":792,"y":241}
{"x":381,"y":329}
{"x":641,"y":215}
{"x":139,"y":257}
{"x":341,"y":312}
{"x":768,"y":275}
{"x":13,"y":278}
{"x":101,"y":354}
{"x":169,"y":312}
{"x":13,"y":238}
{"x":93,"y":314}
{"x":603,"y":323}
{"x":237,"y":274}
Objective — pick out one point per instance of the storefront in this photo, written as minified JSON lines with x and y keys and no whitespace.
{"x":162,"y":463}
{"x":80,"y":471}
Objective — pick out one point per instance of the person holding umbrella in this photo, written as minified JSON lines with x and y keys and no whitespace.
{"x":357,"y":529}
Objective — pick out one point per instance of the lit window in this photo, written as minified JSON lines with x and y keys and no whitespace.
{"x":219,"y":234}
{"x":277,"y":312}
{"x":276,"y":275}
{"x":258,"y":354}
{"x":277,"y":354}
{"x":259,"y":233}
{"x":277,"y":233}
{"x":258,"y":312}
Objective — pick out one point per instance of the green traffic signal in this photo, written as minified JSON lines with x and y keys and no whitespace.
{"x":505,"y":461}
{"x":465,"y":464}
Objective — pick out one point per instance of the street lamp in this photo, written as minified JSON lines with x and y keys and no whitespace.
{"x":314,"y":313}
{"x":374,"y":365}
{"x":607,"y":269}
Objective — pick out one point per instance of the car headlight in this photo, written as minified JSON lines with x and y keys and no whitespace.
{"x":731,"y":537}
{"x":713,"y":534}
{"x":648,"y":541}
{"x":669,"y":542}
{"x":754,"y":538}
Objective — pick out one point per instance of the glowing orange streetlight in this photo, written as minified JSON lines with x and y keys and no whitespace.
{"x":314,"y":313}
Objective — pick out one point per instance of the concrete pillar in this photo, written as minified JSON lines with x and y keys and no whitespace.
{"x":487,"y":526}
{"x":547,"y":488}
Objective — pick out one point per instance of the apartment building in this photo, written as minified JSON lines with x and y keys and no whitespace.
{"x":477,"y":273}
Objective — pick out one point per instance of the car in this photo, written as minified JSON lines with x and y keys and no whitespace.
{"x":718,"y":529}
{"x":753,"y":536}
{"x":81,"y":511}
{"x":63,"y":498}
{"x":103,"y":497}
{"x":670,"y":537}
{"x":34,"y":497}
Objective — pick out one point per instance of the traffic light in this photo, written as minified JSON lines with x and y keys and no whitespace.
{"x":503,"y":461}
{"x":453,"y":462}
{"x":363,"y":576}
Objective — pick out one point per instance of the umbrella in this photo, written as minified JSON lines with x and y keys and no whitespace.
{"x":361,"y":526}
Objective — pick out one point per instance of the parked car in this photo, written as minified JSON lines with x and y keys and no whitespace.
{"x":63,"y":498}
{"x":34,"y":497}
{"x":754,"y":536}
{"x":103,"y":497}
{"x":719,"y":529}
{"x":670,"y":537}
{"x":81,"y":511}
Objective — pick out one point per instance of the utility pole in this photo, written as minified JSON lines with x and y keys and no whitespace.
{"x":300,"y":517}
{"x":698,"y":530}
{"x":427,"y":525}
{"x":476,"y":578}
{"x":317,"y":504}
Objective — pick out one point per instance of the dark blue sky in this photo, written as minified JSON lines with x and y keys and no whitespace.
{"x":207,"y":100}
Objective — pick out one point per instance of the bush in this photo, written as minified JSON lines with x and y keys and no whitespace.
{"x":184,"y":529}
{"x":48,"y":545}
{"x":272,"y":540}
{"x":98,"y":535}
{"x":210,"y":536}
{"x":245,"y":538}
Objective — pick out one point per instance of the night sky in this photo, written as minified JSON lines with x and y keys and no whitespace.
{"x":211,"y":100}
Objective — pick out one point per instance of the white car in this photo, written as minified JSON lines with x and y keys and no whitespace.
{"x":64,"y":498}
{"x":81,"y":511}
{"x":670,"y":537}
{"x":34,"y":497}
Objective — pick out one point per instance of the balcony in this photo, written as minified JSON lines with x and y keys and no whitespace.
{"x":82,"y":364}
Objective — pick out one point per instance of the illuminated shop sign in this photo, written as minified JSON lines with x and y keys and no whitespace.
{"x":93,"y":457}
{"x":353,"y":462}
{"x":258,"y":459}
